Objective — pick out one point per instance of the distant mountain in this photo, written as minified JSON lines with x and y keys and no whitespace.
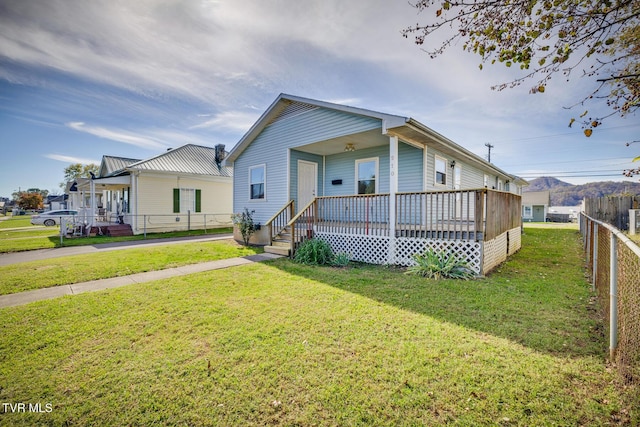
{"x":565,"y":194}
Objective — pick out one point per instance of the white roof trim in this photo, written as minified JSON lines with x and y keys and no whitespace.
{"x":388,"y":120}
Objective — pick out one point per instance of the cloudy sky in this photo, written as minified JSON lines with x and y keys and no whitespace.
{"x":80,"y":79}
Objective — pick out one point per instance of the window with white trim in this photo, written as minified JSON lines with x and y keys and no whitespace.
{"x":441,"y":171}
{"x":366,"y":176}
{"x":527,"y":211}
{"x":187,"y":200}
{"x":257,"y":182}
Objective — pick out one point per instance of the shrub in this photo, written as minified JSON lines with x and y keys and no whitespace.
{"x":314,"y":252}
{"x":440,"y":265}
{"x":245,"y":224}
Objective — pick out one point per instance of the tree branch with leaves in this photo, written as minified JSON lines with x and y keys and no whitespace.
{"x":598,"y":39}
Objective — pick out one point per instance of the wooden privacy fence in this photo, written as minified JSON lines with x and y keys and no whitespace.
{"x":613,"y":210}
{"x":614,"y":263}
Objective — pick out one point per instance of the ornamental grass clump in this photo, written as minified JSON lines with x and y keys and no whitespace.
{"x":318,"y":252}
{"x":314,"y":252}
{"x":440,"y":265}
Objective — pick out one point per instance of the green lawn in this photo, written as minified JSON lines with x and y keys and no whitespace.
{"x":17,"y":234}
{"x":278,"y":343}
{"x":81,"y":268}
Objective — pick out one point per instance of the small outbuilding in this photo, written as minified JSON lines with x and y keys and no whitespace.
{"x":535,"y":206}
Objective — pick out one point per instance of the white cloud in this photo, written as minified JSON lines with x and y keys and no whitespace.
{"x":71,"y":159}
{"x":117,"y":135}
{"x":239,"y":121}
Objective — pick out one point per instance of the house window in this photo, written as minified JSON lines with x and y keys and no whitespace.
{"x":186,"y":200}
{"x":441,"y":171}
{"x":366,"y":173}
{"x":257,"y":182}
{"x":527,"y":212}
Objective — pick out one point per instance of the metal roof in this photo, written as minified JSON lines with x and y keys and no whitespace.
{"x":112,"y":165}
{"x":190,"y":158}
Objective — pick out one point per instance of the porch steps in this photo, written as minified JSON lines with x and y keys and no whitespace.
{"x":280,"y":244}
{"x":278,"y":248}
{"x":118,"y":230}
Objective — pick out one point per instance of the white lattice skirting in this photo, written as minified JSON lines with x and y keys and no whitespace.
{"x":497,"y":250}
{"x":369,"y":249}
{"x":375,"y":249}
{"x":470,"y":251}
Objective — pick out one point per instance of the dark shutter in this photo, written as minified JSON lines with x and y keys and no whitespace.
{"x":176,"y":200}
{"x":198,"y":200}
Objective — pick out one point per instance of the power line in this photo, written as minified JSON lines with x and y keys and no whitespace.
{"x":624,"y":159}
{"x":532,"y":176}
{"x":576,"y":132}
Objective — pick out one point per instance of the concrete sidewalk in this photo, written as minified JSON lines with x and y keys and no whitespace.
{"x":17,"y":257}
{"x":22,"y":298}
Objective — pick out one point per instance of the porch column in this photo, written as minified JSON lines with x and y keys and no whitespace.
{"x":93,"y":203}
{"x":393,"y":189}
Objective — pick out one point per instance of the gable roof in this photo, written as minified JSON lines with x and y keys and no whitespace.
{"x":112,"y":165}
{"x":289,"y":105}
{"x":405,"y":128}
{"x":189,"y":159}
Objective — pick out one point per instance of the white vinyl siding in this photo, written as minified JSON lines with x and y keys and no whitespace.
{"x":216,"y":194}
{"x":271,"y":147}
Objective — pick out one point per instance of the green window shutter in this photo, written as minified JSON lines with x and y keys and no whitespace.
{"x":176,"y":200}
{"x":128,"y":199}
{"x":198,"y":200}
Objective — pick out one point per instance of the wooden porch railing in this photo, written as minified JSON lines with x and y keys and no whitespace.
{"x":279,"y":221}
{"x":366,"y":214}
{"x":478,"y":214}
{"x":302,"y":225}
{"x":440,"y":215}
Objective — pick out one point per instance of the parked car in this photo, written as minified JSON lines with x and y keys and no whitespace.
{"x":51,"y":218}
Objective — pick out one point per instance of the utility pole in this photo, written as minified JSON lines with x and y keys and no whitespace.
{"x":489,"y":146}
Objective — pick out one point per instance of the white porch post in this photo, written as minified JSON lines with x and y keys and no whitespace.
{"x":93,"y":203}
{"x":393,"y":189}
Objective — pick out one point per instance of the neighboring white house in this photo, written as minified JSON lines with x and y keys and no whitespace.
{"x":372,"y":173}
{"x":182,"y":184}
{"x":535,"y":205}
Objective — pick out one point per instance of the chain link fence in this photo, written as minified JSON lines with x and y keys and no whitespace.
{"x":84,"y":225}
{"x":614,"y":263}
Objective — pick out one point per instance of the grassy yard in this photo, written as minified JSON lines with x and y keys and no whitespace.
{"x":17,"y":234}
{"x":81,"y":268}
{"x":283,"y":344}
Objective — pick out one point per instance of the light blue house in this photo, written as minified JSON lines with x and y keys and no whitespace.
{"x":378,"y":186}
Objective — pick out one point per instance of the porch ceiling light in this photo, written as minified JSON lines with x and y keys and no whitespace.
{"x":349,"y":147}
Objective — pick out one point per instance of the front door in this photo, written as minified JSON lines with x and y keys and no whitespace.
{"x":538,"y":214}
{"x":307,"y":182}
